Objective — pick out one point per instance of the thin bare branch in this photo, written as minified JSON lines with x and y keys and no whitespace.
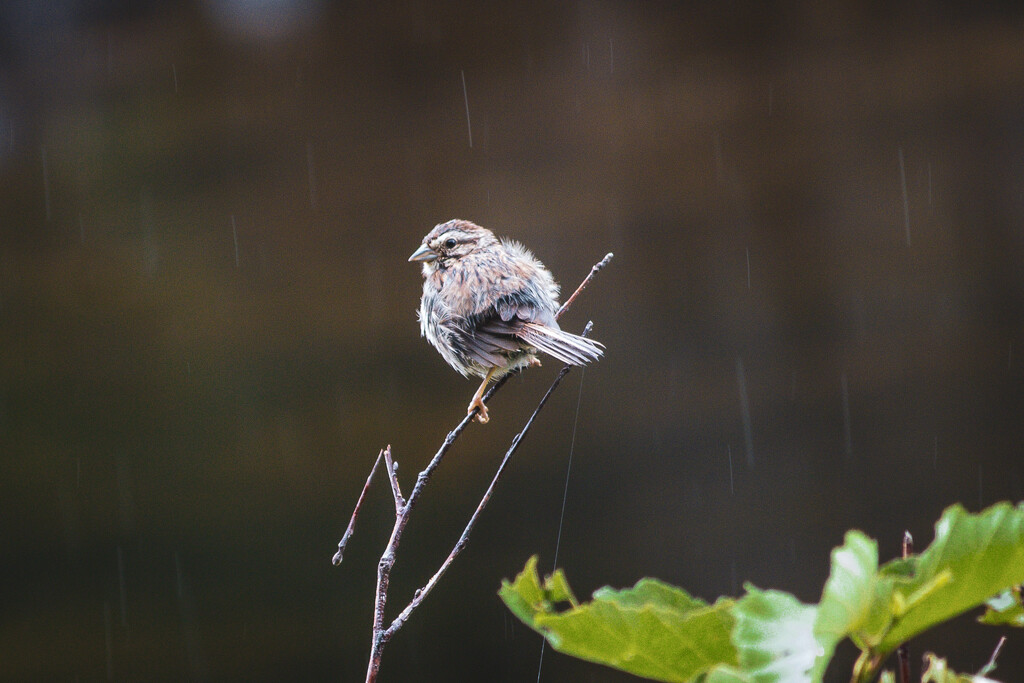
{"x":903,"y":651}
{"x":583,"y":285}
{"x":355,"y":513}
{"x":404,"y":507}
{"x":991,"y":665}
{"x":461,"y":543}
{"x":396,"y":490}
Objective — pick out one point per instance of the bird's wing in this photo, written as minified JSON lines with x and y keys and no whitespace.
{"x":515,"y":323}
{"x":482,"y":347}
{"x":519,"y":307}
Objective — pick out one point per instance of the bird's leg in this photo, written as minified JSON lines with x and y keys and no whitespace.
{"x":478,"y":403}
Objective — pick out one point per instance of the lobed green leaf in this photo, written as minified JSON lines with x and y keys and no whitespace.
{"x":775,"y":637}
{"x":973,"y":557}
{"x":851,"y":597}
{"x":937,"y":671}
{"x":652,"y":630}
{"x":661,"y":632}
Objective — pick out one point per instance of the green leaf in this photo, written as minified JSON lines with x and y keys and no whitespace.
{"x":937,"y":671}
{"x":903,"y":569}
{"x":648,"y":591}
{"x":557,"y":588}
{"x":850,"y":599}
{"x":1004,"y":609}
{"x":848,"y":594}
{"x":973,"y":557}
{"x":661,"y":632}
{"x":775,"y":638}
{"x":526,"y":595}
{"x":652,"y":630}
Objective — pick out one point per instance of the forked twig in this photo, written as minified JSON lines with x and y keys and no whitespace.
{"x":404,"y":507}
{"x":461,"y":543}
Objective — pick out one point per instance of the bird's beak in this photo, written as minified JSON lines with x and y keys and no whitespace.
{"x":424,"y":253}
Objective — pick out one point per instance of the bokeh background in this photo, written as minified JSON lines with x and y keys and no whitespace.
{"x":814,"y":319}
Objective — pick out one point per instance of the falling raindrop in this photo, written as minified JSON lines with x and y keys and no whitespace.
{"x":108,"y":636}
{"x":122,"y":589}
{"x":906,"y":203}
{"x":234,"y":235}
{"x":847,"y":438}
{"x":186,"y":612}
{"x":312,"y":175}
{"x":46,"y":184}
{"x":719,"y":160}
{"x":177,"y":575}
{"x":465,"y":97}
{"x":929,"y":184}
{"x":611,"y":57}
{"x":68,"y":503}
{"x":125,"y":490}
{"x":748,"y":438}
{"x":110,"y":54}
{"x":150,"y":247}
{"x":748,"y":267}
{"x":732,"y":489}
{"x":174,"y":74}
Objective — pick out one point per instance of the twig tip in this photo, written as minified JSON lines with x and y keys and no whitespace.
{"x":908,"y":544}
{"x":603,"y":262}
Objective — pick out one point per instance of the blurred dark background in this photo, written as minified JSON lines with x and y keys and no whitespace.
{"x":814,"y":320}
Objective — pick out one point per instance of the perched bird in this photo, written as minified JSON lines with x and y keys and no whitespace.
{"x":489,"y":306}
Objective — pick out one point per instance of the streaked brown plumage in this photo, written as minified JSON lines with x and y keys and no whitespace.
{"x":489,"y":306}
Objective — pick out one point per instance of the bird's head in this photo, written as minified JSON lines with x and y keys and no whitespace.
{"x":449,"y":242}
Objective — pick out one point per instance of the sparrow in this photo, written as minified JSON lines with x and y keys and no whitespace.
{"x":489,"y":306}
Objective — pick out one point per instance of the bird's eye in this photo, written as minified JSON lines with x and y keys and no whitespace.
{"x":450,"y":243}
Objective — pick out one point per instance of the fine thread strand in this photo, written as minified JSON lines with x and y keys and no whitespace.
{"x":565,"y":496}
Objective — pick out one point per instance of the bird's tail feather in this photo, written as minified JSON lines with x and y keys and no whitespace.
{"x":565,"y":346}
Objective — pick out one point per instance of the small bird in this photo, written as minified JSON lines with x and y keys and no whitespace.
{"x":489,"y":306}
